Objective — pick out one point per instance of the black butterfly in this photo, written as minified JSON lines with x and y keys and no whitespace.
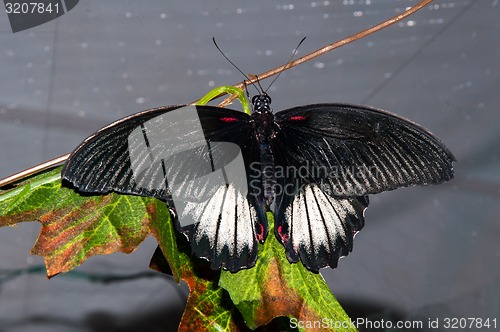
{"x":220,"y":170}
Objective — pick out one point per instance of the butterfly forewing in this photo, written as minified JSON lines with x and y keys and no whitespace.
{"x":353,"y":151}
{"x":195,"y":159}
{"x":101,"y":164}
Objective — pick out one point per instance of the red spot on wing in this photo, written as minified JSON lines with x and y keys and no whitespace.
{"x":260,"y":233}
{"x":284,"y":236}
{"x":297,"y":118}
{"x":228,"y":119}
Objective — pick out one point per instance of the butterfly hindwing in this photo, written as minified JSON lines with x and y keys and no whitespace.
{"x":314,"y":226}
{"x":224,"y":234}
{"x":195,"y":159}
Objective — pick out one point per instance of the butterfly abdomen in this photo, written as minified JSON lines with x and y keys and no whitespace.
{"x":264,"y":132}
{"x":267,"y":172}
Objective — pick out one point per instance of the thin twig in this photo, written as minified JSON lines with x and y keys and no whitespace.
{"x":327,"y":49}
{"x":33,"y":170}
{"x":253,"y":79}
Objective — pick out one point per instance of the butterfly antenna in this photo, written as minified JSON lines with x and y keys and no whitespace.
{"x":287,"y":63}
{"x":232,"y":63}
{"x":260,"y":86}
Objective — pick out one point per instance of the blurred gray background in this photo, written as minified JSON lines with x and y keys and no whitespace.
{"x":424,"y":252}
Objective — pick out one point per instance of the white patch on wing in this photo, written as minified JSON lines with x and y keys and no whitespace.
{"x":297,"y":219}
{"x":208,"y":215}
{"x":246,"y":217}
{"x":317,"y":220}
{"x":226,"y":219}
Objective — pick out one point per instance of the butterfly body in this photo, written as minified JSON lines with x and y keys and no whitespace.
{"x":221,"y":170}
{"x":264,"y":128}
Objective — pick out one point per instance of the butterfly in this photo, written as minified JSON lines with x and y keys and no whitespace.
{"x":220,"y":170}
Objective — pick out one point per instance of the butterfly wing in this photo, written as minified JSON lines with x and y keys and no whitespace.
{"x":192,"y":157}
{"x":337,"y":155}
{"x":355,"y":150}
{"x":314,"y":226}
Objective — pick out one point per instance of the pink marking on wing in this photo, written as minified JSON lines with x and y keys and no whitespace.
{"x":228,"y":119}
{"x":297,"y":118}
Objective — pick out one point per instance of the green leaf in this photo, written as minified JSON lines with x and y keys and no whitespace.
{"x":208,"y":307}
{"x":274,"y":288}
{"x":75,"y":227}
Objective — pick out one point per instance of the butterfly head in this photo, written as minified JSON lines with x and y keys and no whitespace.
{"x":262,"y":103}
